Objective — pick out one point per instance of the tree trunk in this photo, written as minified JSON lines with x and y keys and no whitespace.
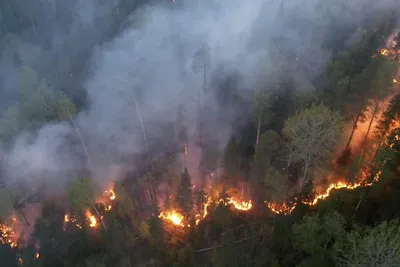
{"x":138,"y":113}
{"x":353,"y":129}
{"x":82,"y":141}
{"x":358,"y":206}
{"x":98,"y":214}
{"x":290,"y":155}
{"x":369,"y":128}
{"x":305,"y":172}
{"x":258,"y":133}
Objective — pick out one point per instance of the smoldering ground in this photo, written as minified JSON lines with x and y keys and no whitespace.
{"x":138,"y":80}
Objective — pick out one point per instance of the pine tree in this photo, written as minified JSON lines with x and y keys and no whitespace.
{"x":184,"y":195}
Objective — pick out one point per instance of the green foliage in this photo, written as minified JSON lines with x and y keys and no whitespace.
{"x":372,"y":246}
{"x":126,"y":204}
{"x":39,"y":104}
{"x":6,"y":204}
{"x":315,"y":234}
{"x":233,"y":158}
{"x":312,"y":136}
{"x":82,"y":193}
{"x":223,"y":215}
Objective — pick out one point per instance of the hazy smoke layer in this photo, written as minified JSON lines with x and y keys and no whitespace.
{"x":141,"y":77}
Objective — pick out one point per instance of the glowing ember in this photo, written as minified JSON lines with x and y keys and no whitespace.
{"x":37,"y":256}
{"x":8,"y":233}
{"x":173,"y":216}
{"x":282,"y":209}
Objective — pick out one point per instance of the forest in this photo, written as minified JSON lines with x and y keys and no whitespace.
{"x":199,"y":133}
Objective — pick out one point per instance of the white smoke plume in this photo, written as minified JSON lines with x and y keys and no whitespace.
{"x":138,"y":80}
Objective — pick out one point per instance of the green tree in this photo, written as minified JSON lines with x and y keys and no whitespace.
{"x":371,"y":246}
{"x":29,"y":82}
{"x":126,"y":205}
{"x":262,"y":113}
{"x":274,"y":184}
{"x":264,"y":176}
{"x":83,"y":196}
{"x":6,"y":206}
{"x":312,"y":136}
{"x":233,"y":161}
{"x":184,"y":198}
{"x":315,"y":236}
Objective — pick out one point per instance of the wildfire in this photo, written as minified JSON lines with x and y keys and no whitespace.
{"x":111,"y":194}
{"x":240,"y":205}
{"x":392,"y":53}
{"x":177,"y":218}
{"x":384,"y":52}
{"x":37,"y":256}
{"x":92,"y":219}
{"x":8,"y":233}
{"x":289,"y":208}
{"x":173,"y":216}
{"x":284,"y":208}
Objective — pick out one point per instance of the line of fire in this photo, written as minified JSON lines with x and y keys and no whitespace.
{"x":210,"y":194}
{"x":214,"y":194}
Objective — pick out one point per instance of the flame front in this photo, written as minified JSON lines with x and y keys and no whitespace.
{"x":240,"y":205}
{"x":177,"y":218}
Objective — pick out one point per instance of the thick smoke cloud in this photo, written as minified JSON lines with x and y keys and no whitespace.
{"x":139,"y":79}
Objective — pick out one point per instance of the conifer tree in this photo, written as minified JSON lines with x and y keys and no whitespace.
{"x":184,"y":195}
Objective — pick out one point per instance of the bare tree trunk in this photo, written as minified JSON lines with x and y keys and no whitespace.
{"x":258,"y":133}
{"x":82,"y":141}
{"x":369,"y":127}
{"x":305,"y":172}
{"x":358,"y":206}
{"x":98,"y":214}
{"x":353,"y":129}
{"x":290,"y":155}
{"x":139,"y":114}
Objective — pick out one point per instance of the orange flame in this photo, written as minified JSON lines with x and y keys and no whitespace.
{"x":288,"y":208}
{"x":37,"y":256}
{"x":173,"y":216}
{"x":112,"y":194}
{"x":240,"y":205}
{"x":384,"y":52}
{"x":177,"y":218}
{"x":92,"y":219}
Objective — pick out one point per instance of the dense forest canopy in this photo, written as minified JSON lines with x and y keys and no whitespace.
{"x":199,"y":133}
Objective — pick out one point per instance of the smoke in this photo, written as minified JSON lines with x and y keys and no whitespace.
{"x":138,"y":79}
